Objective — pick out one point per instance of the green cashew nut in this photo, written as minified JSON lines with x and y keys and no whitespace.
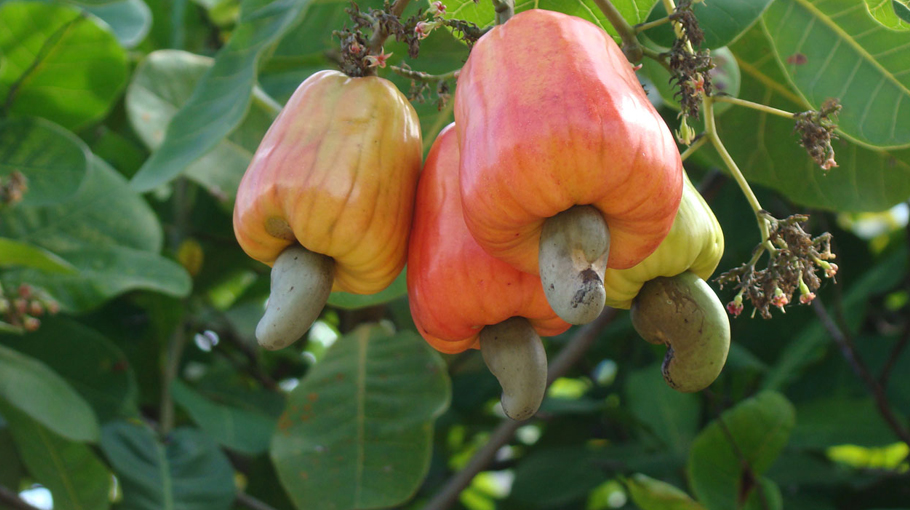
{"x":683,"y":313}
{"x":514,"y":353}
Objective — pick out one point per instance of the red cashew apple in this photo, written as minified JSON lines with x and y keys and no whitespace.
{"x":566,"y":168}
{"x":463,"y":298}
{"x":328,"y":197}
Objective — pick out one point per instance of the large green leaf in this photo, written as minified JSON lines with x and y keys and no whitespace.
{"x":357,"y":432}
{"x":31,"y":387}
{"x":651,"y":494}
{"x":722,"y":21}
{"x":14,"y":253}
{"x":223,"y":94}
{"x":555,"y":477}
{"x":76,"y":477}
{"x":187,"y":472}
{"x":108,"y":233}
{"x":59,"y":63}
{"x":767,"y":151}
{"x":11,"y":469}
{"x":482,"y":13}
{"x":162,"y":84}
{"x":760,"y":427}
{"x":130,"y":20}
{"x":840,"y":420}
{"x":243,"y":430}
{"x":89,"y":362}
{"x":52,"y":159}
{"x":834,"y":49}
{"x":671,"y":416}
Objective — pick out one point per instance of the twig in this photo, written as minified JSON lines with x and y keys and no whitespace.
{"x":630,"y":45}
{"x":577,"y":346}
{"x":699,"y":141}
{"x":13,"y":501}
{"x":505,"y":9}
{"x":896,"y":352}
{"x":862,"y":370}
{"x":755,"y":106}
{"x":247,"y":501}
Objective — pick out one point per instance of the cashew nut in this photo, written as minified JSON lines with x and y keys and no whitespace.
{"x":514,"y":353}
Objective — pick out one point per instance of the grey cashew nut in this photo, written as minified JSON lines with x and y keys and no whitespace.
{"x":301,"y":284}
{"x":683,"y":313}
{"x":514,"y":353}
{"x":574,"y":246}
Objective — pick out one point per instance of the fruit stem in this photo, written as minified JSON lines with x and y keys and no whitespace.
{"x":755,"y":106}
{"x":514,"y":353}
{"x":701,"y":140}
{"x":630,"y":45}
{"x":641,"y":27}
{"x":572,"y":260}
{"x":505,"y":9}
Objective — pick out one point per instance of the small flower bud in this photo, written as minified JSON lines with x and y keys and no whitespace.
{"x":355,"y":48}
{"x":30,"y":323}
{"x":377,"y":60}
{"x":779,"y":299}
{"x":806,"y":298}
{"x":423,"y":28}
{"x":4,"y":305}
{"x":35,"y":308}
{"x":20,"y":305}
{"x":685,"y":135}
{"x":735,"y":307}
{"x":52,"y":306}
{"x":437,"y":9}
{"x":25,"y":291}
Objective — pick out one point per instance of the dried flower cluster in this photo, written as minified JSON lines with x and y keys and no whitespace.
{"x":12,"y":188}
{"x":690,"y":69}
{"x":791,"y":267}
{"x":816,"y":129}
{"x":22,"y":308}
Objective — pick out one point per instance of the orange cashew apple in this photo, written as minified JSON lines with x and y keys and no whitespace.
{"x":328,"y":197}
{"x":566,"y":168}
{"x":463,"y":298}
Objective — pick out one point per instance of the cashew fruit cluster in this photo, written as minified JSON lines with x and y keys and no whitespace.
{"x":328,"y":197}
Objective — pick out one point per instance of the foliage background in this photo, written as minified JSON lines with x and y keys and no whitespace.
{"x":134,"y":121}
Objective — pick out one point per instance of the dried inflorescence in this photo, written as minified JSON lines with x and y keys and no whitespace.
{"x":12,"y":188}
{"x":816,"y":129}
{"x":690,"y":68}
{"x":358,"y":58}
{"x":791,"y":266}
{"x":22,"y":308}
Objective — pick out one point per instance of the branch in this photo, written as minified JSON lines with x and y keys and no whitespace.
{"x":13,"y":501}
{"x":630,"y":45}
{"x":896,"y":352}
{"x":568,"y":356}
{"x":862,"y":370}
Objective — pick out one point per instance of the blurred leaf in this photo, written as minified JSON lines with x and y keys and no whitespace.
{"x":398,"y":288}
{"x":241,"y":430}
{"x":31,"y":387}
{"x":11,"y":470}
{"x":107,"y":232}
{"x":768,"y":152}
{"x":483,"y":15}
{"x":357,"y":431}
{"x":14,"y":253}
{"x":808,"y":345}
{"x":769,"y":499}
{"x":72,"y":472}
{"x":760,"y":427}
{"x":885,"y":12}
{"x":59,"y":63}
{"x":722,"y":21}
{"x":901,"y":9}
{"x":88,"y":361}
{"x":672,"y":417}
{"x":835,"y":49}
{"x":802,"y":468}
{"x":162,"y":84}
{"x":188,"y":472}
{"x":53,"y":160}
{"x":840,"y":420}
{"x":651,"y":494}
{"x":555,"y":477}
{"x":222,"y":97}
{"x":129,"y":19}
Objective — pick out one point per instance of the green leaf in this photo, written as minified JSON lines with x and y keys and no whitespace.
{"x":95,"y":367}
{"x":75,"y":476}
{"x":162,"y":84}
{"x":60,"y":64}
{"x":809,"y":344}
{"x":188,"y":472}
{"x":886,"y":13}
{"x":760,"y":427}
{"x":555,"y":477}
{"x":31,"y":387}
{"x":106,"y":272}
{"x":242,"y":430}
{"x":840,"y":420}
{"x":11,"y":469}
{"x":130,"y":20}
{"x":672,"y":417}
{"x":397,"y":289}
{"x":770,"y":499}
{"x":53,"y":160}
{"x":651,"y":494}
{"x":902,"y":9}
{"x":357,"y":432}
{"x":222,"y":96}
{"x":767,"y":150}
{"x":722,"y":21}
{"x":483,"y":15}
{"x":14,"y":253}
{"x":834,"y":49}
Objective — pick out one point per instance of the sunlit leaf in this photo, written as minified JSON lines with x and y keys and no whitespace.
{"x":15,"y":253}
{"x":130,"y":20}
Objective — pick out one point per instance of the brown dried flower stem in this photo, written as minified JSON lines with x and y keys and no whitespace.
{"x":380,"y":35}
